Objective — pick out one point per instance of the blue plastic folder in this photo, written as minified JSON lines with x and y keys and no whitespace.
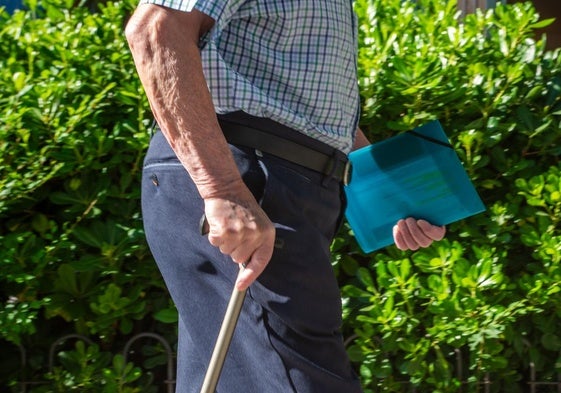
{"x":414,"y":174}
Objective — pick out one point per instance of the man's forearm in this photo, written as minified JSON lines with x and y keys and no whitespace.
{"x":164,"y":44}
{"x":164,"y":47}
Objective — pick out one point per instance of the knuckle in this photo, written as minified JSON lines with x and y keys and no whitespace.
{"x":239,"y":258}
{"x":214,"y":240}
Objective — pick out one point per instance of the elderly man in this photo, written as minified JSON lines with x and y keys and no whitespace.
{"x":257,"y":108}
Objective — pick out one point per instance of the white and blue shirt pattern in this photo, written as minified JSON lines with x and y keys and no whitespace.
{"x":292,"y":61}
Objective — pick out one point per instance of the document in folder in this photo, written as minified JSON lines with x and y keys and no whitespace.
{"x":414,"y":174}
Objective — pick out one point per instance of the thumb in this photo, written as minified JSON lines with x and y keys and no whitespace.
{"x":254,"y":267}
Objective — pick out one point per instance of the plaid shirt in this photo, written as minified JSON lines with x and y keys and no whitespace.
{"x":291,"y":61}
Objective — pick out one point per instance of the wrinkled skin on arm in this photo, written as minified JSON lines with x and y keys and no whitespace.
{"x":164,"y":45}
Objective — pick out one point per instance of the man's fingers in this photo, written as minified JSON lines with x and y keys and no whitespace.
{"x":233,"y":245}
{"x":398,"y":239}
{"x":406,"y":237}
{"x":434,"y":232}
{"x":254,"y":267}
{"x":248,"y":276}
{"x":412,"y":234}
{"x":417,"y":233}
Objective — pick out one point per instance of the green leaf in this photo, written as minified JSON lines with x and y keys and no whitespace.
{"x":543,"y":23}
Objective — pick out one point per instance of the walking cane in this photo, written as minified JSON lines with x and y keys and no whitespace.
{"x":225,"y":334}
{"x":223,"y":341}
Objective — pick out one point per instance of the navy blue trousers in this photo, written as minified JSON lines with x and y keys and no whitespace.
{"x":288,"y":336}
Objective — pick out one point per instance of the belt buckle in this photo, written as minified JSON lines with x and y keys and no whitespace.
{"x":347,"y":173}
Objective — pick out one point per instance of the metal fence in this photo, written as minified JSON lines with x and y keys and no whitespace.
{"x":168,"y":384}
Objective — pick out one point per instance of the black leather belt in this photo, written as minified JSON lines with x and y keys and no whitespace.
{"x":335,"y":165}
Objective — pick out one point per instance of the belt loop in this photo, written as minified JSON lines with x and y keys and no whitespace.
{"x":348,"y":173}
{"x":332,"y":168}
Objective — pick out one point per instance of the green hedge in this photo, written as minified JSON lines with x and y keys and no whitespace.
{"x":73,"y":130}
{"x":491,"y":289}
